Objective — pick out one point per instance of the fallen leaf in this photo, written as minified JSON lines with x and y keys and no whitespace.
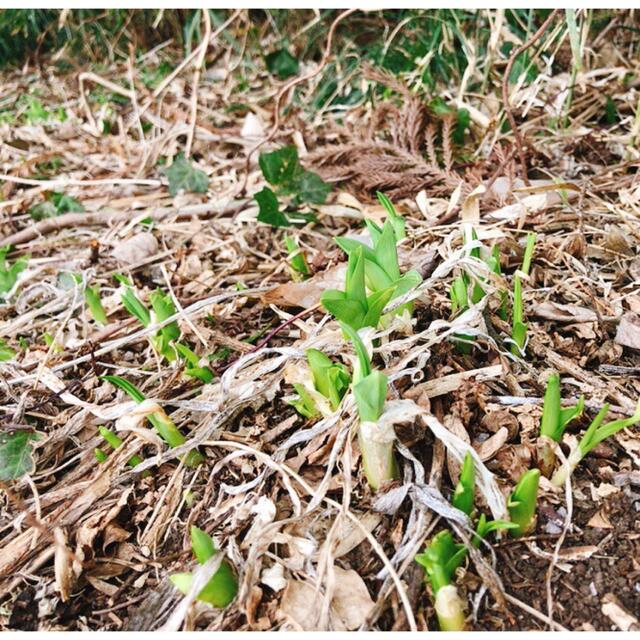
{"x":600,"y":521}
{"x":62,"y":564}
{"x":628,"y":333}
{"x":136,"y":249}
{"x":351,"y":601}
{"x":350,"y":535}
{"x":564,"y":312}
{"x":487,"y":449}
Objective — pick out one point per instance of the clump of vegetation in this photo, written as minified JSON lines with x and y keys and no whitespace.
{"x":523,"y":501}
{"x":330,"y":382}
{"x":519,"y":328}
{"x":9,"y":272}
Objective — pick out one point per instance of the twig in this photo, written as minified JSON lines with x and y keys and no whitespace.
{"x":505,"y":90}
{"x":283,"y":326}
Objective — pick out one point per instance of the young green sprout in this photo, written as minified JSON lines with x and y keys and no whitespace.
{"x":193,"y":368}
{"x":522,"y":503}
{"x":465,"y":489}
{"x":376,"y":440}
{"x":159,"y":419}
{"x":519,"y":328}
{"x":92,"y":298}
{"x":352,"y":306}
{"x":395,"y":218}
{"x":223,"y":586}
{"x":381,"y":269}
{"x":9,"y":272}
{"x":554,"y":422}
{"x":330,"y":379}
{"x":440,"y":560}
{"x":594,"y":435}
{"x":297,"y":260}
{"x":114,"y":442}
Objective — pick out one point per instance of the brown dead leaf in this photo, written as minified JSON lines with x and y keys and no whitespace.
{"x":136,"y":249}
{"x":350,"y":535}
{"x":628,"y":333}
{"x":600,"y":521}
{"x":488,"y":449}
{"x":351,"y":601}
{"x":564,"y":312}
{"x":62,"y":563}
{"x":454,"y":424}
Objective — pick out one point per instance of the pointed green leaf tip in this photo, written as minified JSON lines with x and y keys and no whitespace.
{"x":465,"y":489}
{"x":16,"y":454}
{"x":223,"y":586}
{"x":522,"y":503}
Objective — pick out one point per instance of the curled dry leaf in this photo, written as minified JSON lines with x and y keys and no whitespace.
{"x":351,"y":602}
{"x":62,"y":564}
{"x":564,"y":312}
{"x":488,"y":449}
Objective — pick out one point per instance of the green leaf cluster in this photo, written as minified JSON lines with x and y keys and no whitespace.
{"x":183,"y":176}
{"x":9,"y":272}
{"x":55,"y":204}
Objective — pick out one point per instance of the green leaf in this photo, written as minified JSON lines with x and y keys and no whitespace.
{"x":136,"y":307}
{"x":182,"y":175}
{"x":92,"y":298}
{"x":595,"y":434}
{"x":396,"y":220}
{"x":100,"y":455}
{"x":9,"y":273}
{"x":282,"y":64}
{"x":465,"y":489}
{"x":311,"y":188}
{"x":550,"y":425}
{"x":329,"y":378}
{"x":129,"y":388}
{"x":202,"y":545}
{"x":610,"y":111}
{"x":364,"y":363}
{"x":6,"y":352}
{"x":16,"y":454}
{"x":43,"y":210}
{"x":484,"y":528}
{"x":441,"y":558}
{"x":297,"y":258}
{"x":522,"y":503}
{"x":270,"y":209}
{"x":281,"y":167}
{"x":370,"y":395}
{"x":163,"y":308}
{"x":304,"y":405}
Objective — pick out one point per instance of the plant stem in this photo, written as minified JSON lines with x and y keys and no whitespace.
{"x":378,"y":459}
{"x":449,"y":609}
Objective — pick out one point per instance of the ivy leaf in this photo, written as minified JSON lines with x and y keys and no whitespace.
{"x":269,"y":209}
{"x":281,"y":167}
{"x":16,"y":454}
{"x":312,"y":188}
{"x":182,"y":175}
{"x":66,"y":204}
{"x":6,"y":352}
{"x":43,"y":210}
{"x":282,"y":64}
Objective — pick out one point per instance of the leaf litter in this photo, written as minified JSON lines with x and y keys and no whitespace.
{"x":284,"y":497}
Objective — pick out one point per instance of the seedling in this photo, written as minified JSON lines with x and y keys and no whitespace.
{"x":382,"y":270}
{"x":465,"y":489}
{"x":92,"y":298}
{"x":6,"y":352}
{"x":223,"y":586}
{"x":159,"y":419}
{"x":440,"y":560}
{"x":352,"y":306}
{"x":114,"y":442}
{"x":9,"y":272}
{"x":519,"y":328}
{"x":376,"y":440}
{"x":522,"y":503}
{"x":594,"y":435}
{"x":331,"y":380}
{"x":297,"y":261}
{"x":554,"y":422}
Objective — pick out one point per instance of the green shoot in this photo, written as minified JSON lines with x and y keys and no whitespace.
{"x":381,"y":269}
{"x":331,"y":380}
{"x":465,"y":489}
{"x":440,"y":560}
{"x":519,"y":328}
{"x":163,"y":308}
{"x":352,"y":306}
{"x":223,"y":586}
{"x":553,"y":424}
{"x":297,"y":261}
{"x":92,"y":298}
{"x":376,"y":440}
{"x":114,"y":442}
{"x":522,"y":503}
{"x":395,"y":218}
{"x":6,"y":352}
{"x":484,"y":527}
{"x":594,"y":435}
{"x":193,"y":367}
{"x":9,"y":272}
{"x":159,"y":419}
